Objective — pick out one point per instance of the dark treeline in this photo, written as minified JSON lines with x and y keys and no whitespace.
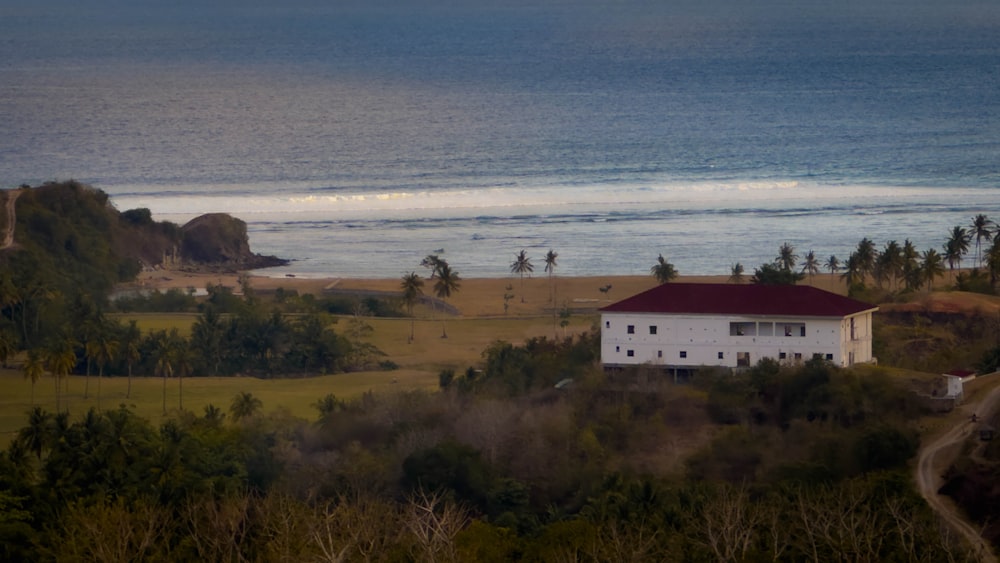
{"x":778,"y":463}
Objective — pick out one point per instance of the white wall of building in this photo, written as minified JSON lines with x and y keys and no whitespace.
{"x":714,"y":340}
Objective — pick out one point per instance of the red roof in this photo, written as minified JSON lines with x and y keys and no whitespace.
{"x":730,"y":299}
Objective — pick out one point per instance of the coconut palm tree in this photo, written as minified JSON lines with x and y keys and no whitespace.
{"x":432,"y":262}
{"x":520,"y":266}
{"x":736,"y":273}
{"x":810,"y":264}
{"x":130,"y":351}
{"x":446,"y":284}
{"x":60,"y":359}
{"x":993,"y":260}
{"x":956,"y":247}
{"x":163,"y":355}
{"x":183,"y":365}
{"x":853,"y":272}
{"x":105,"y":350}
{"x":865,"y":257}
{"x":786,"y":257}
{"x":663,"y":271}
{"x":550,"y":269}
{"x":911,"y":265}
{"x":982,"y":228}
{"x":890,"y":261}
{"x":37,"y":434}
{"x":413,"y":288}
{"x":932,"y":267}
{"x":244,"y":405}
{"x":8,"y":346}
{"x":33,"y":369}
{"x":833,"y":264}
{"x":207,"y":334}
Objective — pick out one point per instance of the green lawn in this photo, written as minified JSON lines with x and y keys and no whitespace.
{"x":419,"y":364}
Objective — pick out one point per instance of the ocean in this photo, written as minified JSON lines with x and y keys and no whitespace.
{"x":355,"y":138}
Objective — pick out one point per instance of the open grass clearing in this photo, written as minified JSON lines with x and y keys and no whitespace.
{"x":419,"y":364}
{"x":296,"y":396}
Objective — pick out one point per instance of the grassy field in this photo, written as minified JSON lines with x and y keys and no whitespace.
{"x":419,"y":364}
{"x":294,"y":395}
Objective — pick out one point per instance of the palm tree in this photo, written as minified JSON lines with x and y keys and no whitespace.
{"x":105,"y":350}
{"x":33,"y":368}
{"x":244,"y":405}
{"x":853,"y":272}
{"x":163,"y":354}
{"x":37,"y":434}
{"x":865,"y":257}
{"x":183,"y":365}
{"x":521,"y":265}
{"x":993,"y":260}
{"x":446,"y":284}
{"x":550,"y":269}
{"x":982,"y":228}
{"x":432,"y":262}
{"x":61,"y":359}
{"x":130,"y":351}
{"x":663,"y":271}
{"x":7,"y":344}
{"x":207,"y":335}
{"x":89,"y":352}
{"x":932,"y":267}
{"x":911,"y":265}
{"x":736,"y":273}
{"x":810,"y":265}
{"x":890,"y":261}
{"x":956,"y":247}
{"x":832,"y":264}
{"x":412,"y":287}
{"x":786,"y":257}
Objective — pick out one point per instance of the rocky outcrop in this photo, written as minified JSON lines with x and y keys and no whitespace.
{"x":220,"y":241}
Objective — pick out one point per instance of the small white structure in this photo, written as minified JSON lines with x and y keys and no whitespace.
{"x":955,"y":381}
{"x":685,"y":325}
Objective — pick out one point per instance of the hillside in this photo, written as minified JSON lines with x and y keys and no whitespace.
{"x":74,"y":230}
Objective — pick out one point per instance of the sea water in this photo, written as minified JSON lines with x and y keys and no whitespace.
{"x":355,"y":138}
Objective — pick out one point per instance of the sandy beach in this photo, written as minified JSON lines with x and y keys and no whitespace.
{"x":477,"y":297}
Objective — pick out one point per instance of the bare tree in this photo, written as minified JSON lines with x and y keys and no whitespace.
{"x":433,"y":523}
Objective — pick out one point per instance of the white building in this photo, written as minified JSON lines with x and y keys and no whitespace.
{"x":684,"y":325}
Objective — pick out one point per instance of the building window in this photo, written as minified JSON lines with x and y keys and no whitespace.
{"x":652,"y":329}
{"x":742,"y":329}
{"x":684,"y":354}
{"x":618,"y":348}
{"x":782,"y":355}
{"x":798,"y":356}
{"x":631,"y":329}
{"x":829,"y":357}
{"x":721,"y":355}
{"x":802,"y":330}
{"x":659,"y":353}
{"x":630,"y":353}
{"x":607,"y":324}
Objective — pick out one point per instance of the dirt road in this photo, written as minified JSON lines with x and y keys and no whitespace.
{"x":937,"y":455}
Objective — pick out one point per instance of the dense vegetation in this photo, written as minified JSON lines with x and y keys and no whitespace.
{"x":778,"y":463}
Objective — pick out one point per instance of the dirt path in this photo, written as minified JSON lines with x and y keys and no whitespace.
{"x":8,"y":236}
{"x":936,"y":456}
